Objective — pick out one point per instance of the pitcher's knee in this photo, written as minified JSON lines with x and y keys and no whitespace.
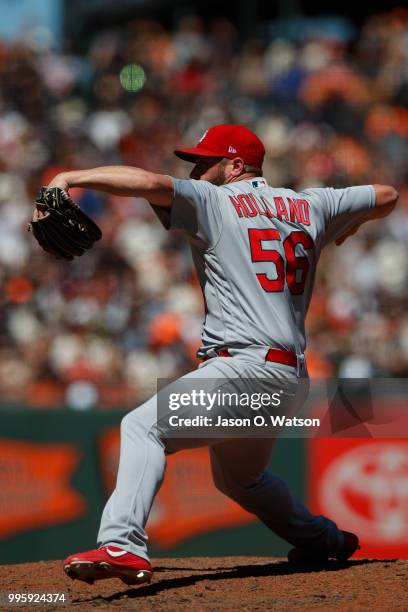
{"x":127,"y":421}
{"x":133,"y":422}
{"x":233,"y":488}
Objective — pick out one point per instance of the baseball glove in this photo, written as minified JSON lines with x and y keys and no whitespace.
{"x":60,"y":226}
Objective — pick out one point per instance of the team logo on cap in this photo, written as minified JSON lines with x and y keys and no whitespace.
{"x":203,"y":136}
{"x":231,"y":149}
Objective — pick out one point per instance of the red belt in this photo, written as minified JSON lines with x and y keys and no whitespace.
{"x":274,"y":354}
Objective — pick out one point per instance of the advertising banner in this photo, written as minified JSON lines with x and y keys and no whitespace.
{"x":362,"y":484}
{"x":57,"y":469}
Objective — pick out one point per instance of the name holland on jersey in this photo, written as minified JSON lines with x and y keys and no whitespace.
{"x":290,"y":209}
{"x":257,"y":421}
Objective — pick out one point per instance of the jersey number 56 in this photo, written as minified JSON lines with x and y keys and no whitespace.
{"x":297,"y":266}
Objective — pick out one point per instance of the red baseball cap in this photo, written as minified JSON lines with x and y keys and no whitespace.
{"x":227,"y":141}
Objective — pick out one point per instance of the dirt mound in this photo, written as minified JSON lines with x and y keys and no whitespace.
{"x":229,"y":583}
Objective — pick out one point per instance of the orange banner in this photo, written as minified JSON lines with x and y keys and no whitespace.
{"x":35,"y":488}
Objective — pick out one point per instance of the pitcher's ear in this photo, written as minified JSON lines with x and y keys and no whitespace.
{"x":238,"y":166}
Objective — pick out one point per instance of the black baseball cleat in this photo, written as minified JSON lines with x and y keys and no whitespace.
{"x":108,"y":562}
{"x":298,"y":556}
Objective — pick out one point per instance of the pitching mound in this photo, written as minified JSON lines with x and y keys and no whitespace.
{"x":229,"y":583}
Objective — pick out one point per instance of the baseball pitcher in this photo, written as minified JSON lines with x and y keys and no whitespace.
{"x":255,"y":248}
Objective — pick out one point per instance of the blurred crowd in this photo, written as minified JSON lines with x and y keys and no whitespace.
{"x":331,"y":110}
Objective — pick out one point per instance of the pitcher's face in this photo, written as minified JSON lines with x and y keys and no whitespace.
{"x":211,"y":169}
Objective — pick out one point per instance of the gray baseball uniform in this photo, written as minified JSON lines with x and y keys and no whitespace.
{"x":255,"y":249}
